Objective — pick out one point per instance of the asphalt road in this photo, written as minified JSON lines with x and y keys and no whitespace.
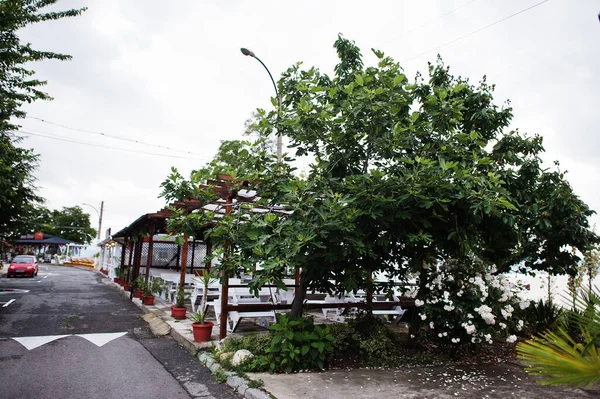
{"x":64,"y":334}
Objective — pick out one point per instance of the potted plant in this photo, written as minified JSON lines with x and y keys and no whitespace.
{"x":155,"y":287}
{"x":178,"y":309}
{"x":201,"y":328}
{"x":126,"y":285}
{"x":138,"y":287}
{"x":118,"y":273}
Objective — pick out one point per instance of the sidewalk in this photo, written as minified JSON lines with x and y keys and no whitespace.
{"x":503,"y":380}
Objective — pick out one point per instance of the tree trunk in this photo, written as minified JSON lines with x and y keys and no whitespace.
{"x":299,"y":299}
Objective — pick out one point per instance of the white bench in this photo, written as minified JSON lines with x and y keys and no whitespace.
{"x":391,"y":311}
{"x":239,"y":296}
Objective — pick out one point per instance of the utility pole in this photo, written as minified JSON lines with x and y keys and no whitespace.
{"x":100,"y":220}
{"x":99,"y":216}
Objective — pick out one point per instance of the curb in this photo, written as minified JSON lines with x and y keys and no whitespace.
{"x":157,"y":324}
{"x":236,"y":382}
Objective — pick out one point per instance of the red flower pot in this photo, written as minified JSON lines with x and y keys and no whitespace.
{"x":127,"y":287}
{"x":178,"y":313}
{"x":202,"y":332}
{"x":138,"y":294}
{"x":148,"y":300}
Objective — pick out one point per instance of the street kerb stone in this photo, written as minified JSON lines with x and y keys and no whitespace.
{"x":158,"y":326}
{"x":253,"y":393}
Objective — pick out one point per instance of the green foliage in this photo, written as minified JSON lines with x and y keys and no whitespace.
{"x":406,"y":174}
{"x":140,"y":283}
{"x":366,"y":340}
{"x":18,"y":86}
{"x":298,"y":344}
{"x":257,"y":344}
{"x":18,"y":200}
{"x":564,"y":359}
{"x":197,"y":317}
{"x":542,"y":315}
{"x":377,"y":344}
{"x":243,"y":160}
{"x":157,"y":286}
{"x":71,"y":223}
{"x":180,"y":297}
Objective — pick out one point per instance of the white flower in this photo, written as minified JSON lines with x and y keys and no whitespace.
{"x":448,"y":308}
{"x":455,"y":340}
{"x":469,"y":328}
{"x":440,"y":335}
{"x":423,"y":316}
{"x":431,"y":325}
{"x":520,"y":325}
{"x":419,"y":303}
{"x":501,"y":325}
{"x":511,"y":339}
{"x":524,"y":304}
{"x":445,"y":334}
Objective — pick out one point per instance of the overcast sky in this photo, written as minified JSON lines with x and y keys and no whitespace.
{"x":171,"y":74}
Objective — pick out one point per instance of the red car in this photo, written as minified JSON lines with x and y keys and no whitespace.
{"x":23,"y":265}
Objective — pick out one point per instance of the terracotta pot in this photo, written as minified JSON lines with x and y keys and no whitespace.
{"x":138,"y":294}
{"x":148,"y":300}
{"x":202,"y":332}
{"x":117,"y":280}
{"x":178,"y":313}
{"x":127,"y":287}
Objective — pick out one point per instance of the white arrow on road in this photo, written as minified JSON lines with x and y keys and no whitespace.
{"x":33,"y":342}
{"x":97,"y":339}
{"x":101,"y":339}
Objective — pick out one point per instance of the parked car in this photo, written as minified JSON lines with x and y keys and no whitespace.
{"x":23,"y":265}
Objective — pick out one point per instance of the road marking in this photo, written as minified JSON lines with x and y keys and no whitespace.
{"x":46,"y":276}
{"x":97,"y":339}
{"x":7,"y":304}
{"x":10,"y":291}
{"x":33,"y":342}
{"x":101,"y":339}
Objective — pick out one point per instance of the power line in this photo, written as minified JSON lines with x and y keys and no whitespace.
{"x":60,"y":138}
{"x":429,"y":21}
{"x":475,"y":31}
{"x":109,"y":135}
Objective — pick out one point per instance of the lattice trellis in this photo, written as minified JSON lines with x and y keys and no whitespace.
{"x":167,"y":255}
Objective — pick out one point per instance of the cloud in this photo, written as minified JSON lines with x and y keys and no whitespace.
{"x":174,"y":76}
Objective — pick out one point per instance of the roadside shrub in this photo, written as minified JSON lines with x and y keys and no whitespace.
{"x":375,"y":342}
{"x":344,"y":338}
{"x":466,"y":302}
{"x":298,"y":344}
{"x":541,"y":316}
{"x":255,"y":343}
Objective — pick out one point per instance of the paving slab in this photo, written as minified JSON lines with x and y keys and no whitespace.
{"x":504,"y":380}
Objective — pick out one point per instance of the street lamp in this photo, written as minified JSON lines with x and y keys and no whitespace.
{"x":99,"y":215}
{"x":249,"y":53}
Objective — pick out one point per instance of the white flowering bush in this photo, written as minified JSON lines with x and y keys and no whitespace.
{"x":469,"y":304}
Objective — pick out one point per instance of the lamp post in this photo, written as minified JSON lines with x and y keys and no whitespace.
{"x":99,"y":215}
{"x":249,"y":53}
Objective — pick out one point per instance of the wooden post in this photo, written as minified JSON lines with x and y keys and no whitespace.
{"x":225,"y":282}
{"x":369,"y":290}
{"x":184,"y":255}
{"x":193,"y":256}
{"x":208,"y":264}
{"x":150,"y":248}
{"x":129,"y":261}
